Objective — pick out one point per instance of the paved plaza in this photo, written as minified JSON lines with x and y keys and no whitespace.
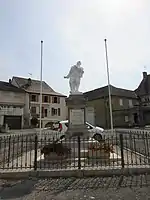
{"x":110,"y":188}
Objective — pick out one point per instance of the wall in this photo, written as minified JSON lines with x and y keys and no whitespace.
{"x":17,"y":111}
{"x":100,"y":111}
{"x":116,"y":102}
{"x":11,"y":103}
{"x":11,"y":97}
{"x":90,"y":115}
{"x":120,"y":111}
{"x":49,"y":106}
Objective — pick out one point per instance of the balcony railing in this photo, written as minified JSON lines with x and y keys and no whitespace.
{"x":11,"y":111}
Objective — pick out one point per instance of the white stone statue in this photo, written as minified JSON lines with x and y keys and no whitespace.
{"x":75,"y":74}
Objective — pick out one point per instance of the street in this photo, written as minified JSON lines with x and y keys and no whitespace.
{"x":100,"y":188}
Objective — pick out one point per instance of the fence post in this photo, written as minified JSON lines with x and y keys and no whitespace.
{"x":35,"y":153}
{"x":79,"y":153}
{"x":9,"y":149}
{"x":121,"y":147}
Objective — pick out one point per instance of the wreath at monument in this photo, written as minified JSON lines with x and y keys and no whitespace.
{"x":100,"y":150}
{"x":55,"y":150}
{"x":107,"y":148}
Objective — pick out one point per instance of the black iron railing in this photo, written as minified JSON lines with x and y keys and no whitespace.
{"x":49,"y":152}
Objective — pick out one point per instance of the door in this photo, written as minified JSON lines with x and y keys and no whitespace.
{"x":14,"y":122}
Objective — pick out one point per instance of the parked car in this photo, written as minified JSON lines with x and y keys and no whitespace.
{"x":95,"y":131}
{"x":55,"y":126}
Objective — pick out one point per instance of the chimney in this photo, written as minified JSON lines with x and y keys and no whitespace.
{"x":9,"y":81}
{"x":144,"y":75}
{"x":29,"y":81}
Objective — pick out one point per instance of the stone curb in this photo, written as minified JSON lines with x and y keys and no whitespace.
{"x":74,"y":173}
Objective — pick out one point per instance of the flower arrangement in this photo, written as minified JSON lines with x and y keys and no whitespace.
{"x":107,"y":148}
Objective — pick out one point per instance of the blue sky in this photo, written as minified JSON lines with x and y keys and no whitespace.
{"x":75,"y":30}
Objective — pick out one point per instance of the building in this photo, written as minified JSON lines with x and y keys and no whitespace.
{"x":143,"y":94}
{"x":53,"y":103}
{"x":125,"y":111}
{"x":11,"y":105}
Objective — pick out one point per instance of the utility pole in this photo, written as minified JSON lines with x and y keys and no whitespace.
{"x":109,"y":89}
{"x":41,"y":72}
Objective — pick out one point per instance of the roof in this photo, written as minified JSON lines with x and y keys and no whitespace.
{"x":103,"y":92}
{"x":33,"y":86}
{"x":144,"y":87}
{"x":5,"y":86}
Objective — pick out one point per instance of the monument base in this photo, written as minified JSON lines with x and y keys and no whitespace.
{"x":98,"y":154}
{"x":76,"y":104}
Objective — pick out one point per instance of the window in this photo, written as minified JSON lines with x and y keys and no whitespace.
{"x":126,"y":118}
{"x":45,"y":99}
{"x":33,"y":98}
{"x":45,"y":112}
{"x":42,"y":112}
{"x":121,"y":102}
{"x":130,"y":103}
{"x":33,"y":110}
{"x":135,"y":115}
{"x":58,"y":111}
{"x":55,"y":99}
{"x":54,"y":111}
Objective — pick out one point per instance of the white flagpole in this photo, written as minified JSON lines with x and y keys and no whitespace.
{"x":41,"y":88}
{"x":109,"y":90}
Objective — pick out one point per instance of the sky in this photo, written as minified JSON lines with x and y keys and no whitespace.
{"x":75,"y":30}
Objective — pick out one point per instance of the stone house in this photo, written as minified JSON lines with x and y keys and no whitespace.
{"x":12,"y":102}
{"x":143,"y":94}
{"x":125,"y":111}
{"x":53,"y":103}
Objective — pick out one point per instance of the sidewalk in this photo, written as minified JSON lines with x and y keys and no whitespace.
{"x":25,"y":131}
{"x":110,"y":188}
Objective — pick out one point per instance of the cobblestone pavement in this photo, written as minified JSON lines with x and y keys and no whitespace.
{"x":112,"y":188}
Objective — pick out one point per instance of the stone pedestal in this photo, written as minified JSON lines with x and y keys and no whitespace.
{"x":53,"y":156}
{"x":76,"y":104}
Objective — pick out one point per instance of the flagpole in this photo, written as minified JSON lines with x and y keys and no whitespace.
{"x":41,"y":72}
{"x":109,"y":89}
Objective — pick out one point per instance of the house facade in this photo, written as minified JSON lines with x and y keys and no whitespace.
{"x":12,"y":102}
{"x":143,"y":94}
{"x":53,"y":103}
{"x":124,"y":110}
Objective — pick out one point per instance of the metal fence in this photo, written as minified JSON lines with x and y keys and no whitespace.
{"x":48,"y":152}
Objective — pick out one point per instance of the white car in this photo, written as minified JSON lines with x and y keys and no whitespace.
{"x":96,"y":132}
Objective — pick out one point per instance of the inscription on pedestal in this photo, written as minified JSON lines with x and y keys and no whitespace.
{"x":77,"y":116}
